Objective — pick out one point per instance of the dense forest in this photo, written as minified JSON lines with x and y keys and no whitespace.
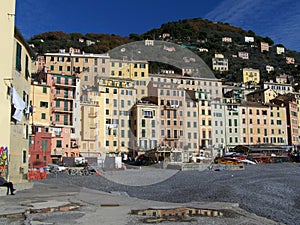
{"x":190,"y":33}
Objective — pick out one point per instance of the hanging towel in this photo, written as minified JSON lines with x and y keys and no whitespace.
{"x":18,"y":103}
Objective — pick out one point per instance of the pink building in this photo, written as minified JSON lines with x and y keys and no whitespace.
{"x":61,"y":115}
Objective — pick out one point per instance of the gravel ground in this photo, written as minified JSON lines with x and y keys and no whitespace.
{"x":268,"y":190}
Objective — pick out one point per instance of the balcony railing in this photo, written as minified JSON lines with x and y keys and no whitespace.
{"x":171,"y":107}
{"x":171,"y":138}
{"x":66,"y":85}
{"x":93,"y":126}
{"x":62,"y":109}
{"x":93,"y":115}
{"x":63,"y":96}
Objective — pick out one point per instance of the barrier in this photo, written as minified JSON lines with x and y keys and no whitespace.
{"x":37,"y":175}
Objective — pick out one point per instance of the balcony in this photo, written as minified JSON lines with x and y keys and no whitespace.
{"x":60,"y":123}
{"x":93,"y":115}
{"x":63,"y":97}
{"x":62,"y":110}
{"x":170,"y":138}
{"x":64,"y":85}
{"x":171,"y":107}
{"x":93,"y":125}
{"x":111,"y":126}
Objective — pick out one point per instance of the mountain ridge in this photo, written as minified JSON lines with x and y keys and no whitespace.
{"x":192,"y":33}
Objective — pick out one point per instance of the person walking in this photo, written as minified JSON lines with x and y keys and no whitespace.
{"x":9,"y":185}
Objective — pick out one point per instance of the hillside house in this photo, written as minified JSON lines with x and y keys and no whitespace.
{"x":264,"y":47}
{"x":280,"y":50}
{"x":249,"y":39}
{"x":269,"y":68}
{"x":227,"y":39}
{"x":262,"y":95}
{"x":251,"y":75}
{"x":219,"y":63}
{"x":290,"y":60}
{"x":243,"y":55}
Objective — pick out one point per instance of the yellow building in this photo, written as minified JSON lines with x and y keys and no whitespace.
{"x":262,"y":95}
{"x":116,"y":98}
{"x":89,"y":144}
{"x":20,"y":91}
{"x":40,"y":102}
{"x":132,"y":69}
{"x":7,"y":19}
{"x":251,"y":76}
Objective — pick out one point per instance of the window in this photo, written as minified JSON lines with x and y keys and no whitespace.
{"x":44,"y":144}
{"x":43,"y":116}
{"x":44,"y":104}
{"x":58,"y":144}
{"x":18,"y":57}
{"x":24,"y":156}
{"x":148,"y":114}
{"x":153,"y":123}
{"x":143,"y":123}
{"x":143,"y":133}
{"x":26,"y":68}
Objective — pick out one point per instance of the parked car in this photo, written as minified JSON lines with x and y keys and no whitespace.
{"x":142,"y":160}
{"x":53,"y":168}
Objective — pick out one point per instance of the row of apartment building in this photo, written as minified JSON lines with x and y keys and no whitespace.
{"x":127,"y":110}
{"x":92,"y":105}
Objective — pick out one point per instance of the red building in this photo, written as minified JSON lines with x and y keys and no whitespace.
{"x":40,"y":147}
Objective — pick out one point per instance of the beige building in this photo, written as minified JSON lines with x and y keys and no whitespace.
{"x":86,"y":66}
{"x":190,"y":98}
{"x":145,"y":116}
{"x":116,"y":99}
{"x":264,"y":47}
{"x":279,"y":88}
{"x":289,"y":102}
{"x":220,"y":63}
{"x":263,"y":124}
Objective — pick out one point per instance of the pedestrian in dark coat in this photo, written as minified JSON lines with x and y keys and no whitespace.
{"x":9,"y":185}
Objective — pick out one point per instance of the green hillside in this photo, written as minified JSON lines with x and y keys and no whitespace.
{"x":190,"y":33}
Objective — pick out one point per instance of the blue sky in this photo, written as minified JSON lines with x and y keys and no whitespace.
{"x":280,"y":18}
